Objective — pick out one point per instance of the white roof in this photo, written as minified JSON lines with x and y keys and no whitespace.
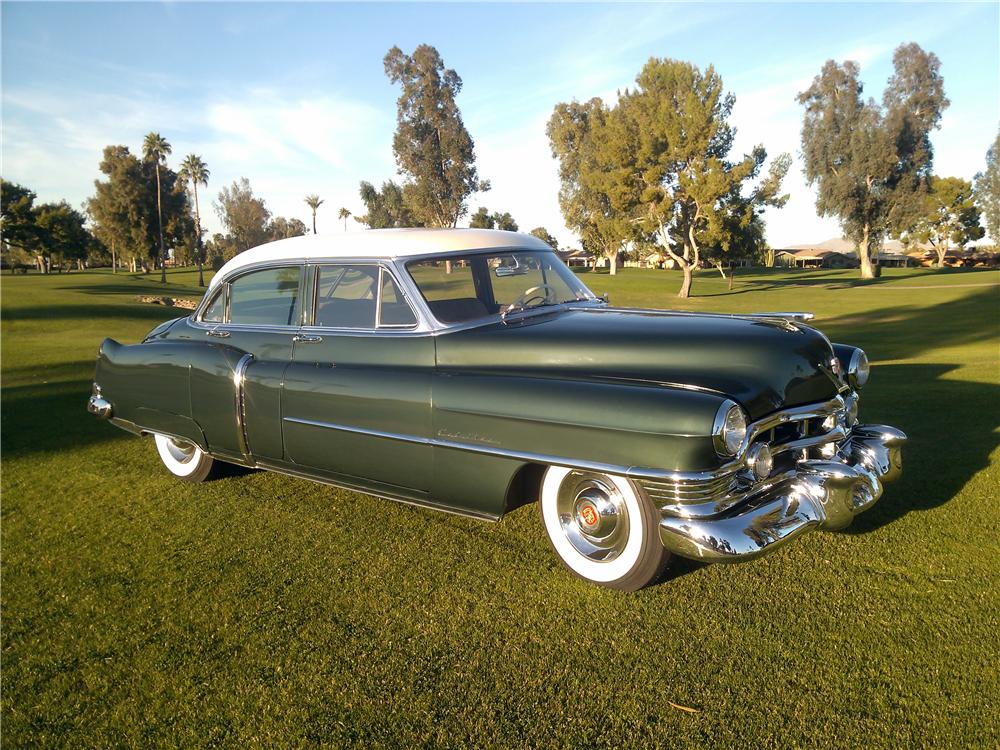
{"x":381,"y":243}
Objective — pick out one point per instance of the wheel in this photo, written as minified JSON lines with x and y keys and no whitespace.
{"x":184,"y":459}
{"x":602,"y":529}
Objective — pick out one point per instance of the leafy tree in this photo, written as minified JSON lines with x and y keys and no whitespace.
{"x":63,"y":232}
{"x":156,"y":149}
{"x":344,"y":214}
{"x":949,"y":215}
{"x":314,"y":202}
{"x":870,"y":162}
{"x":195,"y":171}
{"x":988,"y":191}
{"x":432,"y":147}
{"x":657,"y":166}
{"x":387,"y":208}
{"x":590,"y":141}
{"x":281,"y":228}
{"x":18,"y":225}
{"x":483,"y":219}
{"x":543,"y":234}
{"x":243,"y":215}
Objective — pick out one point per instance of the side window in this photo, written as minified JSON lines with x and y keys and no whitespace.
{"x":393,"y":310}
{"x":345,"y":296}
{"x":268,"y":297}
{"x":216,"y":310}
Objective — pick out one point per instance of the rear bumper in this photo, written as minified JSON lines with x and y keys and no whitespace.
{"x":97,"y":405}
{"x":815,"y":494}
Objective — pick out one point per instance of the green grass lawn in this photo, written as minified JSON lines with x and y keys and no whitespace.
{"x":261,"y":611}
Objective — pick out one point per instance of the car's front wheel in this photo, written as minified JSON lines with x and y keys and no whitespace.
{"x":602,"y":529}
{"x":184,"y":459}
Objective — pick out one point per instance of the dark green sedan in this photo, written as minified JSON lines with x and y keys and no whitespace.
{"x":471,"y":371}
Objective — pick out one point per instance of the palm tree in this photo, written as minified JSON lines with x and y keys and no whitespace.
{"x":155,"y":148}
{"x":193,"y":169}
{"x":314,"y":202}
{"x":344,"y":214}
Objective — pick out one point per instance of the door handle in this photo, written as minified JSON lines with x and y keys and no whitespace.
{"x":300,"y":339}
{"x":216,"y":332}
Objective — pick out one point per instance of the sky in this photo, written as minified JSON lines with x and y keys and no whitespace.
{"x":294,"y":96}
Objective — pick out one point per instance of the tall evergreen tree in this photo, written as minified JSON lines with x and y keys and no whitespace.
{"x":121,"y":208}
{"x":870,"y":162}
{"x":433,"y":149}
{"x":155,"y":148}
{"x":195,"y":171}
{"x":988,"y":191}
{"x":387,"y":207}
{"x":244,"y":215}
{"x":344,"y":214}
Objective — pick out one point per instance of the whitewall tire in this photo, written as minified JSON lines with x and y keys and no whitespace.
{"x":602,"y":529}
{"x":184,"y":459}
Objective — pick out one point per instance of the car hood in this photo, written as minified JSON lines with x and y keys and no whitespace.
{"x":764,"y":364}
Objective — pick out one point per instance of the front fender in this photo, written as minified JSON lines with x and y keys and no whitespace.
{"x":625,"y":424}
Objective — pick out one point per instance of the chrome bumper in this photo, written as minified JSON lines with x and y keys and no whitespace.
{"x":823,"y":493}
{"x":98,"y":405}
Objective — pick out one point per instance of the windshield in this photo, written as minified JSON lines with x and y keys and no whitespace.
{"x":469,"y":287}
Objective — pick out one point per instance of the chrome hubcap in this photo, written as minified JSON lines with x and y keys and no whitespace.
{"x":593,"y":516}
{"x":181,"y":450}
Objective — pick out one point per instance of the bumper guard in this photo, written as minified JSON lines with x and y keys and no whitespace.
{"x":823,"y":494}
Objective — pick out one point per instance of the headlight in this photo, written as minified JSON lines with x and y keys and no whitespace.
{"x":730,"y":429}
{"x":858,"y":370}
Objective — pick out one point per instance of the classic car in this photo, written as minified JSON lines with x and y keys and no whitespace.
{"x":412,"y":365}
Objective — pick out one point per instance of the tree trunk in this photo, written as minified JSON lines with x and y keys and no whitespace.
{"x":613,"y":263}
{"x":314,"y":222}
{"x":732,"y":273}
{"x":197,"y":245}
{"x":864,"y":254}
{"x":941,"y":255}
{"x":159,"y":226}
{"x":685,"y":291}
{"x":114,"y":260}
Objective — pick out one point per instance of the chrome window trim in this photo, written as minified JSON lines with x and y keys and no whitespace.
{"x":439,"y":327}
{"x":196,"y":317}
{"x":384,"y":268}
{"x":427,"y":324}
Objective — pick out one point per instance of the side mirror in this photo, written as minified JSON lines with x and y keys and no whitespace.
{"x":605,"y":298}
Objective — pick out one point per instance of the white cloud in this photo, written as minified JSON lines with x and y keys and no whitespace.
{"x":524,"y":179}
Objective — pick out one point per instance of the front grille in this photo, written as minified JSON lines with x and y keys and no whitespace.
{"x":793,"y":434}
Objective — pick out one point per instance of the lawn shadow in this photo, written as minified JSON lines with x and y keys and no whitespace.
{"x":833,"y":282}
{"x":49,"y":417}
{"x":140,"y":287}
{"x":90,"y":312}
{"x":952,"y":426}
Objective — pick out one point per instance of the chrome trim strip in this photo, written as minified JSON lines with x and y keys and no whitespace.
{"x":795,"y":413}
{"x":239,"y":381}
{"x":634,"y":472}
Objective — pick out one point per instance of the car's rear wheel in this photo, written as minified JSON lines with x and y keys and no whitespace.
{"x":184,"y":459}
{"x":602,"y":528}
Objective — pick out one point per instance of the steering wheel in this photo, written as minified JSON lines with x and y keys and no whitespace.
{"x":528,"y":296}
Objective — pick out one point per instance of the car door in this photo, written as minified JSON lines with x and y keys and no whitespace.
{"x":251,"y":323}
{"x":356,"y":394}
